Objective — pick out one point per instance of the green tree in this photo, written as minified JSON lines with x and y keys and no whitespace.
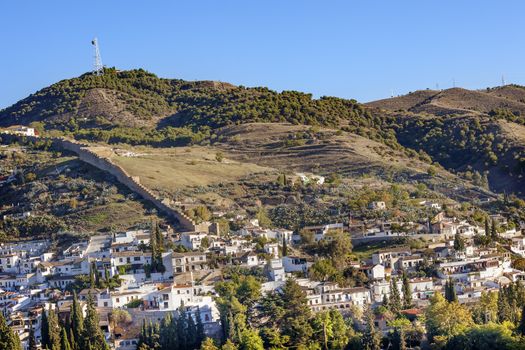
{"x":337,"y":247}
{"x":208,"y":344}
{"x":229,"y":345}
{"x":8,"y":339}
{"x":92,"y":336}
{"x":250,"y":340}
{"x":446,"y":319}
{"x":295,"y":320}
{"x":486,"y":310}
{"x":521,"y":327}
{"x":459,"y":243}
{"x":285,"y":247}
{"x":486,"y":337}
{"x":64,"y":342}
{"x":53,"y":330}
{"x":407,"y":292}
{"x":450,"y":291}
{"x":494,"y":230}
{"x":322,"y":270}
{"x":263,"y":218}
{"x":395,"y":298}
{"x":77,"y":322}
{"x":32,"y":340}
{"x":330,"y":330}
{"x":371,"y":339}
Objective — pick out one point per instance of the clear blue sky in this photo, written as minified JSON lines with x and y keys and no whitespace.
{"x":353,"y":49}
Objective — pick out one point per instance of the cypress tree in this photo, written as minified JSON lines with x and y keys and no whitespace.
{"x":371,"y":339}
{"x":64,"y":342}
{"x":92,"y":335}
{"x":200,"y":327}
{"x":77,"y":322}
{"x":192,"y":333}
{"x":407,"y":293}
{"x":32,"y":339}
{"x":182,"y":322}
{"x":153,"y":246}
{"x":386,"y":302}
{"x":285,"y":247}
{"x":44,"y":330}
{"x":450,"y":291}
{"x":53,"y":330}
{"x":8,"y":339}
{"x":493,"y":230}
{"x":487,"y":230}
{"x":92,"y":279}
{"x":521,"y":326}
{"x":395,"y":298}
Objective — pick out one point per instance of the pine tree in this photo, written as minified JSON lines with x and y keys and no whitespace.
{"x":64,"y":342}
{"x":77,"y":322}
{"x":92,"y":336}
{"x":8,"y":339}
{"x":371,"y":339}
{"x":250,"y":340}
{"x":407,"y":293}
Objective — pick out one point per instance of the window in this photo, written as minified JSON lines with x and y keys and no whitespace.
{"x":137,"y":258}
{"x":165,"y":304}
{"x":165,"y":297}
{"x":105,"y":304}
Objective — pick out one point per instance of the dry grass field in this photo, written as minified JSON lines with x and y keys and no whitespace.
{"x":172,"y":169}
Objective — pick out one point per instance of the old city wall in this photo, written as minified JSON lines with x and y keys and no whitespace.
{"x":122,"y":176}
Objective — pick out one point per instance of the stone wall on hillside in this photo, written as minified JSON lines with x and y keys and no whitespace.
{"x":122,"y":176}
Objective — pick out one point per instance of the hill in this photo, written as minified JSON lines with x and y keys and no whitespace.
{"x":466,"y":132}
{"x":458,"y":101}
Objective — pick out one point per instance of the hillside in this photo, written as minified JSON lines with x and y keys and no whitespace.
{"x":466,"y":132}
{"x":138,"y":98}
{"x":458,"y":101}
{"x":62,"y":194}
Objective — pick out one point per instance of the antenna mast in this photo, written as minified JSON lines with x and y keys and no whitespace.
{"x":98,"y":68}
{"x":503,"y":80}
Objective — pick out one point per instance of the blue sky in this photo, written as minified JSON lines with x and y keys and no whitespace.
{"x":352,"y":49}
